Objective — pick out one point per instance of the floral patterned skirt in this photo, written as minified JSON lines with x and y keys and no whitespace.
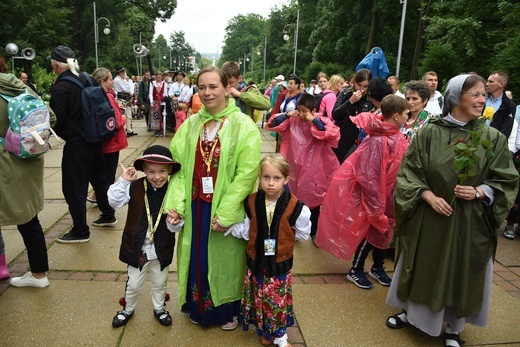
{"x":268,"y":304}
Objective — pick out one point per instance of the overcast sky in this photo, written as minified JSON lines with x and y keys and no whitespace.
{"x":204,"y":21}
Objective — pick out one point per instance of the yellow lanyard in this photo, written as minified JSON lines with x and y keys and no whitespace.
{"x":149,"y":215}
{"x":209,"y":158}
{"x":270,"y":213}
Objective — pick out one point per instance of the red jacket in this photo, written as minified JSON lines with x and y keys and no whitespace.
{"x":118,"y":142}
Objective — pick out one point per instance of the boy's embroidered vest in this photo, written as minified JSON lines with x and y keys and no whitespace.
{"x":286,"y":212}
{"x":136,"y":225}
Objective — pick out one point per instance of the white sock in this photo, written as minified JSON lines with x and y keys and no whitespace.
{"x":281,"y":341}
{"x":450,"y":330}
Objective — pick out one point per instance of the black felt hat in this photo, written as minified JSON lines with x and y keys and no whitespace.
{"x":159,"y":155}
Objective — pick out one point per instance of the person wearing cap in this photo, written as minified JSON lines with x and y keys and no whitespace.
{"x":148,"y":242}
{"x":123,"y":88}
{"x":274,"y":96}
{"x":219,"y":148}
{"x":444,"y":273}
{"x":82,"y":161}
{"x":313,"y":88}
{"x":247,"y":98}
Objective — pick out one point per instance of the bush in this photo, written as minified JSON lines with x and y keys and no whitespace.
{"x":442,"y":59}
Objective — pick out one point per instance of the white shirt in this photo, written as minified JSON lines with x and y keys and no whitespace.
{"x":155,"y":85}
{"x":433,"y":104}
{"x":119,"y":195}
{"x":176,"y":86}
{"x":121,"y":85}
{"x":302,"y":227}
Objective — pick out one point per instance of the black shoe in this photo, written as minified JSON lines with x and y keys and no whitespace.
{"x":163,"y":317}
{"x":73,"y":237}
{"x":105,"y":221}
{"x":121,"y":319}
{"x":130,"y":133}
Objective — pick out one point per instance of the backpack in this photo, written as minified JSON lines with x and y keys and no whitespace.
{"x":319,"y":97}
{"x":99,"y":117}
{"x":29,"y":126}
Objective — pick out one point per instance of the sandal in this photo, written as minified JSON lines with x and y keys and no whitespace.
{"x":398,"y":323}
{"x":121,"y":319}
{"x":265,"y":341}
{"x":163,"y":317}
{"x":230,"y":325}
{"x":453,"y":340}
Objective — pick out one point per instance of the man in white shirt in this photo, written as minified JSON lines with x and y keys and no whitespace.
{"x":124,"y":91}
{"x":395,"y":83}
{"x":434,"y":105}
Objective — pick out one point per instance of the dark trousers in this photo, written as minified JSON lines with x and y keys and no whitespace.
{"x":315,"y":214}
{"x":111,"y":163}
{"x":34,"y":241}
{"x":358,"y":264}
{"x":83,"y":162}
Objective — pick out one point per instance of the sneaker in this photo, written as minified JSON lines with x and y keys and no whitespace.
{"x":517,"y":229}
{"x":72,"y":237}
{"x":105,"y":221}
{"x":509,"y":233}
{"x":359,"y":279}
{"x":380,"y":275}
{"x":28,"y":280}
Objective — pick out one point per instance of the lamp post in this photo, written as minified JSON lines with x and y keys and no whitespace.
{"x":106,"y":31}
{"x":286,"y":38}
{"x":401,"y":34}
{"x":258,"y":53}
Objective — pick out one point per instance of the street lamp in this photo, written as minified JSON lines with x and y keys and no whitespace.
{"x":401,"y":34}
{"x":96,"y":34}
{"x":258,"y":53}
{"x":286,"y":38}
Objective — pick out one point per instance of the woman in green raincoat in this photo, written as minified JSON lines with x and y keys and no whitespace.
{"x":445,"y":267}
{"x":219,"y":149}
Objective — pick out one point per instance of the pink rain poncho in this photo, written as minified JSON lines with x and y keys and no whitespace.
{"x":359,"y":203}
{"x":310,"y":156}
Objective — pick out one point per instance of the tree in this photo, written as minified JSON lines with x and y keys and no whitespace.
{"x":181,"y":50}
{"x":243,"y":34}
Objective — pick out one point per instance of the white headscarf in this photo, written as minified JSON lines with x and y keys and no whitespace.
{"x":453,"y":93}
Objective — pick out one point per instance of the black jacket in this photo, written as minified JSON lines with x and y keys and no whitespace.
{"x":341,"y":114}
{"x":505,"y":116}
{"x":66,"y":104}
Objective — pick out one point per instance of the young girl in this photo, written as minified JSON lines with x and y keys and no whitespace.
{"x":180,"y":115}
{"x":308,"y":139}
{"x":275,"y":218}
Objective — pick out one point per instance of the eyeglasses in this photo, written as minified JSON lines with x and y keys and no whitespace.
{"x":476,"y":95}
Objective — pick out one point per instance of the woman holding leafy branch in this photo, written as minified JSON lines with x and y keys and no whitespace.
{"x":445,"y":265}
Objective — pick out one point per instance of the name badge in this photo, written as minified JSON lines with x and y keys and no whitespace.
{"x":269,"y":246}
{"x":207,"y":185}
{"x":150,"y":251}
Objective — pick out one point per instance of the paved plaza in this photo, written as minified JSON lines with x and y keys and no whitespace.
{"x":87,"y":280}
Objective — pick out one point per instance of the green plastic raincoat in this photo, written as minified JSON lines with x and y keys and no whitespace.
{"x":445,"y":257}
{"x":237,"y":173}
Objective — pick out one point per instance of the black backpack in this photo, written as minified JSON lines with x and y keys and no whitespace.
{"x":318,"y":97}
{"x":99,"y":117}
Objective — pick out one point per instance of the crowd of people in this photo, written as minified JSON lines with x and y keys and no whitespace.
{"x":363,"y":165}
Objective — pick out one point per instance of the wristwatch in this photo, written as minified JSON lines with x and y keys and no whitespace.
{"x":477,"y":194}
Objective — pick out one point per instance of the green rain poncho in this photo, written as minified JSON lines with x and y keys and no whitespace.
{"x":445,"y":257}
{"x":237,"y":173}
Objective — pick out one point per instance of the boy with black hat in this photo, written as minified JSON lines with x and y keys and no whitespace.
{"x":148,"y":242}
